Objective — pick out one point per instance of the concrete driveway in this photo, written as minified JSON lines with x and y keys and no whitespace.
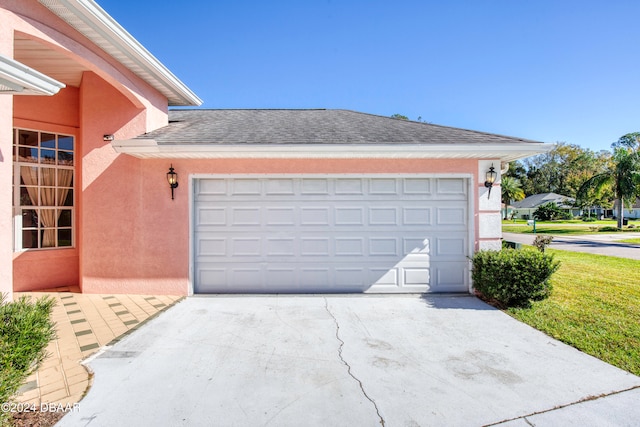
{"x":349,"y":361}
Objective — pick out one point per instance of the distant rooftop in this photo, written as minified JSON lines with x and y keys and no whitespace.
{"x":537,"y":200}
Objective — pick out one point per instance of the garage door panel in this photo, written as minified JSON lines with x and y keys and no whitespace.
{"x":349,"y":246}
{"x":280,"y":186}
{"x":415,"y":186}
{"x":211,"y":216}
{"x":413,"y":245}
{"x":349,"y":215}
{"x":314,"y":186}
{"x":246,"y":246}
{"x":450,"y":247}
{"x":211,"y":186}
{"x":415,"y":275}
{"x":280,"y":216}
{"x":350,"y":186}
{"x":451,"y":216}
{"x":245,"y":216}
{"x":214,"y":247}
{"x":375,"y":234}
{"x":314,"y":215}
{"x":383,"y":186}
{"x":455,"y":187}
{"x":449,"y":275}
{"x":383,"y":216}
{"x":280,"y":247}
{"x":315,"y":278}
{"x":246,"y":187}
{"x":419,"y":215}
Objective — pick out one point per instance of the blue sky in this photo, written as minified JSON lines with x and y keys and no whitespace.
{"x":547,"y":70}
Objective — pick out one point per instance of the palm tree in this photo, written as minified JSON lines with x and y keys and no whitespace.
{"x":511,"y":190}
{"x":623,"y":174}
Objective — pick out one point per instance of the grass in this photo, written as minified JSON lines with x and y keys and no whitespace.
{"x":25,"y":332}
{"x":594,"y":307}
{"x":566,"y":227}
{"x":630,"y":241}
{"x":551,"y":229}
{"x":605,"y":222}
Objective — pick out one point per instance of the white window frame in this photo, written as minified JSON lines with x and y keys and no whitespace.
{"x":19,"y":209}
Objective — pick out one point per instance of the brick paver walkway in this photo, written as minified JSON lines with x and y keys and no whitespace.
{"x":84,"y":324}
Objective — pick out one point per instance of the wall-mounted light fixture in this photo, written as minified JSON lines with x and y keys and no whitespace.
{"x":172,"y":178}
{"x":107,"y":137}
{"x":490,"y":178}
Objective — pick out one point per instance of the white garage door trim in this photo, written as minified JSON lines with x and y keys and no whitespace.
{"x":469,"y":235}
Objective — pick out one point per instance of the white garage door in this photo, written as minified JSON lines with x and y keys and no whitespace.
{"x":331,"y":234}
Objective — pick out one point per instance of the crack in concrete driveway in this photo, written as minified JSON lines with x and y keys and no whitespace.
{"x":326,"y":306}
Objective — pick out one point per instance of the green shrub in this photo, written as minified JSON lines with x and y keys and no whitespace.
{"x":608,"y":229}
{"x":551,"y":212}
{"x":589,"y":219}
{"x":513,"y":277}
{"x":541,"y":242}
{"x":25,"y":331}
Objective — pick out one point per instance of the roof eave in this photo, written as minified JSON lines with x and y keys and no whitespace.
{"x":18,"y":79}
{"x":93,"y":22}
{"x":150,"y":149}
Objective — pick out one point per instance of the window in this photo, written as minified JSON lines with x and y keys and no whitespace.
{"x":43,"y":199}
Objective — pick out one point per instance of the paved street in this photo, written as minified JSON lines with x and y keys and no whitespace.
{"x":600,"y":244}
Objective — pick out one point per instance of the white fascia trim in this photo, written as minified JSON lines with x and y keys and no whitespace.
{"x":148,"y":149}
{"x":93,"y":22}
{"x":18,"y":79}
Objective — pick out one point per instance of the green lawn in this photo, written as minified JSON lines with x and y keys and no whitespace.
{"x":567,"y":227}
{"x":630,"y":241}
{"x":595,"y":307}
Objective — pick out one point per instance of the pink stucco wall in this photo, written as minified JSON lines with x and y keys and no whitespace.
{"x":6,"y":210}
{"x":144,"y":235}
{"x":6,"y":172}
{"x":110,"y":100}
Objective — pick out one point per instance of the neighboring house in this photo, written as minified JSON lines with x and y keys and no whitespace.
{"x":525,"y":208}
{"x":267,"y":201}
{"x":629,"y":213}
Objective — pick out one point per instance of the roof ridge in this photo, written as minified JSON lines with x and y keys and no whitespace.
{"x":412,"y":122}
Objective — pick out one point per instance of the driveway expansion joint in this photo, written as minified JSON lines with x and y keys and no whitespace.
{"x":583,"y":400}
{"x":344,"y":362}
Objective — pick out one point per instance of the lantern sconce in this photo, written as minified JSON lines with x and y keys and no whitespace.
{"x":490,"y":179}
{"x":172,"y":178}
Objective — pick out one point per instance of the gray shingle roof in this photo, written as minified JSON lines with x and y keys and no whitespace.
{"x":537,"y":200}
{"x":281,"y":127}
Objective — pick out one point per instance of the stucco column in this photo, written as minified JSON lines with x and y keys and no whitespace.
{"x":489,"y":203}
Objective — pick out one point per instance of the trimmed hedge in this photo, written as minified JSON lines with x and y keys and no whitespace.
{"x":25,"y":331}
{"x":512,"y":277}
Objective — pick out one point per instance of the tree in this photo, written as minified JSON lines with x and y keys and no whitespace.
{"x":630,"y":140}
{"x":399,"y":117}
{"x":550,"y":212}
{"x":561,"y":170}
{"x":511,"y":190}
{"x":623,"y":174}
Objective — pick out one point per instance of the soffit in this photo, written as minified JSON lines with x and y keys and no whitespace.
{"x":93,"y":22}
{"x":48,"y":61}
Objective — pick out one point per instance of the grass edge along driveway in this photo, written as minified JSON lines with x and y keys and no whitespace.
{"x":594,"y":307}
